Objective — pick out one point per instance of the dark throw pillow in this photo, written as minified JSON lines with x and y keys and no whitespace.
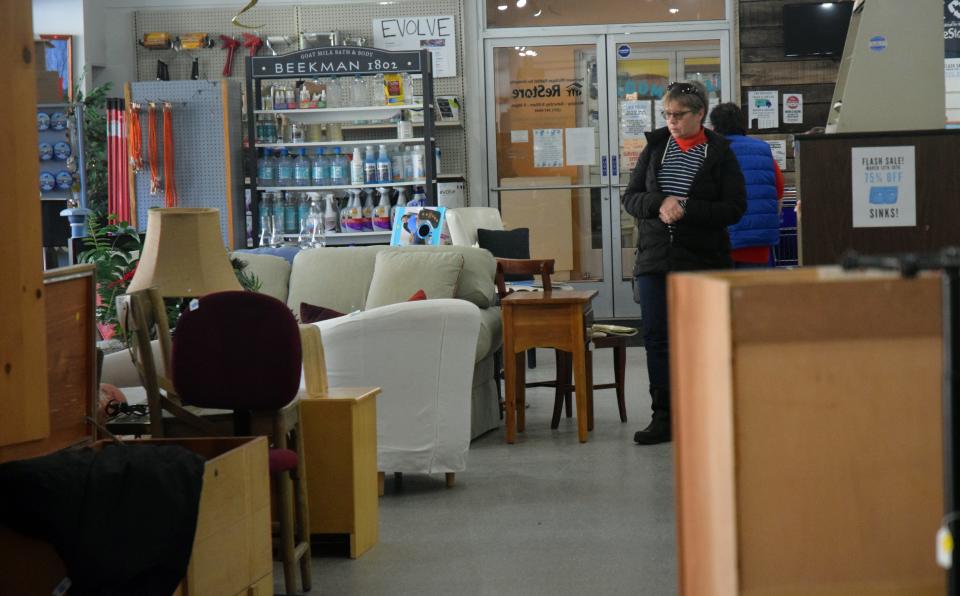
{"x":507,"y":244}
{"x":314,"y":314}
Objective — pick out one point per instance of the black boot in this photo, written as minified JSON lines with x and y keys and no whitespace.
{"x":658,"y":431}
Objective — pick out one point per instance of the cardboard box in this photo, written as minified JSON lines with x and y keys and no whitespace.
{"x":231,"y":548}
{"x":40,"y":55}
{"x":48,"y":87}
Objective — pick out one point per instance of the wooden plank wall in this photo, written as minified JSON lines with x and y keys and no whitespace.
{"x":763,"y":67}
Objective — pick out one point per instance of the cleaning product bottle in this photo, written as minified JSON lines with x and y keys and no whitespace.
{"x":338,"y":168}
{"x":301,"y":169}
{"x":290,"y":223}
{"x":284,"y":169}
{"x":381,"y":213}
{"x":354,"y":218}
{"x":267,"y":169}
{"x":370,"y":166}
{"x":303,"y":207}
{"x":384,"y":168}
{"x":266,"y":219}
{"x":419,"y":198}
{"x":396,"y":166}
{"x":330,"y":215}
{"x":320,"y":169}
{"x":417,"y":164}
{"x":356,"y":167}
{"x":368,"y":211}
{"x":401,"y":203}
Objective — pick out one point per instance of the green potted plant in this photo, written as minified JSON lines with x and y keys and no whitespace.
{"x":114,"y":250}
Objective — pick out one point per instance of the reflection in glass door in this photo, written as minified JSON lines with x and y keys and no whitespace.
{"x":566,"y":124}
{"x":549,"y":150}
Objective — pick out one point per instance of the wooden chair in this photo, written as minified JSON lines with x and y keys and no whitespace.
{"x":222,"y":361}
{"x":143,"y":315}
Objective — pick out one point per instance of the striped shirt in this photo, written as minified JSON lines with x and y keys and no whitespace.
{"x":678,"y":168}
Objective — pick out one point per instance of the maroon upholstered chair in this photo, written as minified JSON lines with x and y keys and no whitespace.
{"x":241,"y":351}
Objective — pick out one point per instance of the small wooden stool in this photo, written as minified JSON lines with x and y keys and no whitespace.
{"x":564,"y":382}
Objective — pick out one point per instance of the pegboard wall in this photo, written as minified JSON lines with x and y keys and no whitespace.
{"x":351,"y":20}
{"x":200,"y":151}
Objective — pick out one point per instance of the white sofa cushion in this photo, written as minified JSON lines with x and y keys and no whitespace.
{"x":332,"y":277}
{"x":397,"y":275}
{"x":273,"y":273}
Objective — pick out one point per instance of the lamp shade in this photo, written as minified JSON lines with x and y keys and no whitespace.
{"x":183,"y":254}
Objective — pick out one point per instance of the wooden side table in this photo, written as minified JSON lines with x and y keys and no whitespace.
{"x":556,"y":319}
{"x":340,"y":445}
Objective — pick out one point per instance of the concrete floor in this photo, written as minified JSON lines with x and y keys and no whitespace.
{"x":546,"y":515}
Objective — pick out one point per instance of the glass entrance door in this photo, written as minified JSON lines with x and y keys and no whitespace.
{"x":548,"y":153}
{"x":639,"y":71}
{"x":566,"y":120}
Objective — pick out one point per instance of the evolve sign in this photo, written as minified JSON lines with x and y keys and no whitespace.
{"x":335,"y":60}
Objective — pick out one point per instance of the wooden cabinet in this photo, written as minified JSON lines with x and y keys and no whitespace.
{"x":807,"y":429}
{"x":231,"y":548}
{"x":340,"y":445}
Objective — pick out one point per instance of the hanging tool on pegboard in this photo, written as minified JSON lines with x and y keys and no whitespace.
{"x":252,"y":42}
{"x":230,"y":44}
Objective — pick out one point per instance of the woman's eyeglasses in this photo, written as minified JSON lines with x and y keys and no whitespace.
{"x":674,"y":115}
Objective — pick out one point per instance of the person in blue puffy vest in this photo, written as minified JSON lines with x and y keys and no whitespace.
{"x":759,"y":228}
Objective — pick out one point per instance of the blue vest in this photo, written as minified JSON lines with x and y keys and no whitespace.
{"x":760,"y":224}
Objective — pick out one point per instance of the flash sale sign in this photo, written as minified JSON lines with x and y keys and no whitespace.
{"x":884,"y":187}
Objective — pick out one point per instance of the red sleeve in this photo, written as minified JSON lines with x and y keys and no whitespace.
{"x":779,"y":175}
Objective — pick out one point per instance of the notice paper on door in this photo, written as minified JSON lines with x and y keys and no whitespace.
{"x":548,"y":147}
{"x":581,"y":146}
{"x":519,"y":136}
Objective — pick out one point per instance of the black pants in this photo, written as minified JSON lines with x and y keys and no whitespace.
{"x":651,"y":294}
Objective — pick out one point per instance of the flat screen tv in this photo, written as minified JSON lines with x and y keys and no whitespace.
{"x":818,"y":29}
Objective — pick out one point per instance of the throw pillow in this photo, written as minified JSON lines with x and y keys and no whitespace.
{"x":507,"y":244}
{"x":418,"y":295}
{"x":399,"y":273}
{"x":314,"y":314}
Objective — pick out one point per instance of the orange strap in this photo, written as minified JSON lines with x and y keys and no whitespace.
{"x":135,"y":136}
{"x":170,"y":188}
{"x":152,"y":149}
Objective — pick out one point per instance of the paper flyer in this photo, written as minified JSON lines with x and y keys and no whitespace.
{"x":779,"y":149}
{"x":884,"y":187}
{"x":519,"y":136}
{"x":792,"y":108}
{"x":548,"y":147}
{"x":581,"y":146}
{"x":763,"y":109}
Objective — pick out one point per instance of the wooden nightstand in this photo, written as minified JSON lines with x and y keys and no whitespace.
{"x":340,"y":445}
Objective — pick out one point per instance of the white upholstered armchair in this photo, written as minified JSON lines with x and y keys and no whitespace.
{"x":421,"y":355}
{"x":464,"y":222}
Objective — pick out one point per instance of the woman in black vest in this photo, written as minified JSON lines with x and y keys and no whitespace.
{"x":685,"y":190}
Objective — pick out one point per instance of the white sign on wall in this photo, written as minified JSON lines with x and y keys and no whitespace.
{"x":884,"y":187}
{"x":779,"y":149}
{"x":763,"y":109}
{"x":792,"y":108}
{"x":437,"y":34}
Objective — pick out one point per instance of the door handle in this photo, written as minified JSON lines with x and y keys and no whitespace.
{"x":613,"y":165}
{"x":603,"y":165}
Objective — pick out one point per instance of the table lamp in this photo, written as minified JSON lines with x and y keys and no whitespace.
{"x":183,"y":254}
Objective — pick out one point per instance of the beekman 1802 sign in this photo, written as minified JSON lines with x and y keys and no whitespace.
{"x":336,"y":60}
